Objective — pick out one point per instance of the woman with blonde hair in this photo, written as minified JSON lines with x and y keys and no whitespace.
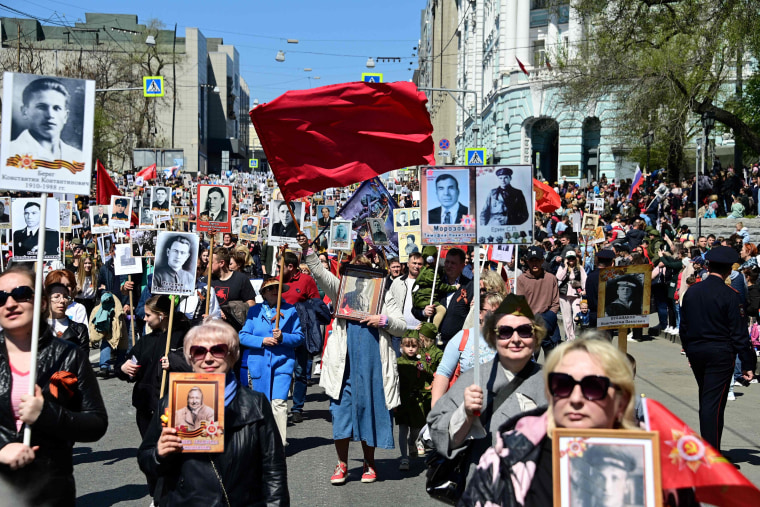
{"x":87,"y":283}
{"x":589,"y":384}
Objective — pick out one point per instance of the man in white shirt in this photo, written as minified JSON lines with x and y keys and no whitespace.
{"x":451,"y":210}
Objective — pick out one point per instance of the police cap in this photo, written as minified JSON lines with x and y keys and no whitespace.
{"x":601,"y":455}
{"x":605,"y":254}
{"x":722,"y":255}
{"x":504,"y":171}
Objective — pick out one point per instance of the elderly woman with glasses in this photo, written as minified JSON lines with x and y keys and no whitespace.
{"x":67,"y":406}
{"x":470,"y":413}
{"x":251,"y":470}
{"x":589,"y":384}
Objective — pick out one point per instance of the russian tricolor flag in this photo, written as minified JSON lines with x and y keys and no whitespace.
{"x":638,"y":179}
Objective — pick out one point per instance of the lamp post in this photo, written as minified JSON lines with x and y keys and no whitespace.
{"x":708,"y":122}
{"x":648,"y":140}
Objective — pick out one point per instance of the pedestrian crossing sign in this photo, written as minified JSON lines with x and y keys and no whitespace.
{"x":475,"y":156}
{"x":153,"y":86}
{"x":253,"y":163}
{"x":369,"y":77}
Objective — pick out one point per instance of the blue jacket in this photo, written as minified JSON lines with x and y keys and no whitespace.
{"x":270,"y":368}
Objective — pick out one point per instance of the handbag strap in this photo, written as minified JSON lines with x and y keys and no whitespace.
{"x":496,"y":401}
{"x":216,"y":472}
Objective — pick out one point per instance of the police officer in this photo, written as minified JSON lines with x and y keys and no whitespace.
{"x":604,"y":259}
{"x":713,"y":332}
{"x":505,"y":205}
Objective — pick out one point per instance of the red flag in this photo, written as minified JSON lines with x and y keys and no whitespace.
{"x":336,"y":135}
{"x":147,"y":173}
{"x":687,"y":461}
{"x":105,"y":186}
{"x":547,"y":200}
{"x":522,"y":67}
{"x":549,"y":64}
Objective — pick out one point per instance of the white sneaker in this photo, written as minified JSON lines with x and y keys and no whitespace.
{"x":753,"y":381}
{"x":731,"y":396}
{"x":737,"y":383}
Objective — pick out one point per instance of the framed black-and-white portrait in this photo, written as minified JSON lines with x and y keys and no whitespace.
{"x":406,"y":219}
{"x":65,"y":210}
{"x":143,"y":242}
{"x":100,"y":219}
{"x":237,"y":222}
{"x":121,"y":212}
{"x":160,"y":200}
{"x":606,"y":468}
{"x":598,"y":204}
{"x":5,"y":212}
{"x":340,"y":235}
{"x":624,"y":293}
{"x":104,"y":246}
{"x":505,"y":204}
{"x":47,"y":133}
{"x":26,"y":214}
{"x":146,"y":219}
{"x":360,"y":294}
{"x":448,"y":211}
{"x":377,"y":231}
{"x":214,"y":208}
{"x":124,"y":262}
{"x":282,"y":228}
{"x":176,"y":262}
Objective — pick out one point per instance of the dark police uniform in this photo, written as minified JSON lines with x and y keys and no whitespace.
{"x":713,"y":331}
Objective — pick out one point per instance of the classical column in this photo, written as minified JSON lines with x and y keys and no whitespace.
{"x":509,"y":35}
{"x":522,"y":33}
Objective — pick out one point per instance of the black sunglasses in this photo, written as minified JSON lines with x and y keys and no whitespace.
{"x":506,"y":332}
{"x":22,"y":294}
{"x":593,"y":387}
{"x":219,"y":351}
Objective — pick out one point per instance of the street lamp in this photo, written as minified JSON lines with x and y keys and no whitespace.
{"x":280,"y":56}
{"x":648,"y":140}
{"x":370,"y":63}
{"x":708,"y":122}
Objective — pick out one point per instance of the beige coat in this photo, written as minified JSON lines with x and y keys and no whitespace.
{"x":117,"y":339}
{"x":336,"y":348}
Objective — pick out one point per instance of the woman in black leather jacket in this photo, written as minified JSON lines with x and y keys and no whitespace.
{"x":250,"y":471}
{"x":61,"y":326}
{"x":67,"y":406}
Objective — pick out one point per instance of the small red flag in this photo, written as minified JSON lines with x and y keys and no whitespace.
{"x":687,"y":461}
{"x":548,"y":64}
{"x":105,"y":186}
{"x":336,"y":135}
{"x":522,"y":67}
{"x":145,"y":174}
{"x":547,"y":200}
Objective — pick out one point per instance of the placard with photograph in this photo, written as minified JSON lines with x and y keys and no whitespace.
{"x":407,"y":219}
{"x":146,"y":219}
{"x":104,"y":246}
{"x":408,"y":243}
{"x":249,"y":230}
{"x":503,"y":253}
{"x":598,"y":204}
{"x":237,"y":223}
{"x":360,"y":294}
{"x":65,"y":208}
{"x":196,"y":410}
{"x":76,"y":220}
{"x":606,"y":467}
{"x":590,"y":223}
{"x":26,"y":214}
{"x":448,"y":214}
{"x":121,"y":212}
{"x":124,"y":262}
{"x":143,"y":242}
{"x":376,"y":227}
{"x":160,"y":200}
{"x":325,"y":213}
{"x":505,"y":204}
{"x":282,"y":229}
{"x":47,"y":134}
{"x":624,"y":296}
{"x":214,"y":208}
{"x":176,"y":262}
{"x":5,"y":212}
{"x":340,"y":235}
{"x":100,"y":222}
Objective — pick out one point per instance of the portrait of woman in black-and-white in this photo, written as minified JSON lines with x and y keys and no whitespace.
{"x":624,"y":295}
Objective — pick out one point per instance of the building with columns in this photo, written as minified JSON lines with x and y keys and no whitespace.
{"x":519,"y":118}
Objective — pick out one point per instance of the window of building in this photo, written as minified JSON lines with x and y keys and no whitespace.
{"x":539,"y":53}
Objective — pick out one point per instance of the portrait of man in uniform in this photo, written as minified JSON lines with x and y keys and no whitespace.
{"x":160,"y":198}
{"x":504,"y":205}
{"x":175,"y":263}
{"x":605,"y":476}
{"x":283,"y":225}
{"x":623,"y":296}
{"x":249,"y":227}
{"x":25,"y":238}
{"x":377,"y":226}
{"x":120,"y":209}
{"x":359,"y":299}
{"x":44,"y":114}
{"x":447,"y":193}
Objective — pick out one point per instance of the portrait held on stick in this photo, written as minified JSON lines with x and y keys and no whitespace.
{"x":448,"y":205}
{"x":214,"y":208}
{"x":282,"y":228}
{"x":27,"y":215}
{"x":624,"y":296}
{"x":121,"y":212}
{"x":505,"y":204}
{"x":340,"y":235}
{"x":176,"y":262}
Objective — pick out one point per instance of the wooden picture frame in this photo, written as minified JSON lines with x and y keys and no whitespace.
{"x":621,"y":307}
{"x":360,"y":294}
{"x":585,"y":461}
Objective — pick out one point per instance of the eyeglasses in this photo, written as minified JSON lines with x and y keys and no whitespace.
{"x":22,"y":294}
{"x":593,"y":387}
{"x":219,"y":351}
{"x":506,"y":332}
{"x":58,"y":297}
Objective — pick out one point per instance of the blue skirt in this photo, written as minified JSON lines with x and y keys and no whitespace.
{"x":360,"y":412}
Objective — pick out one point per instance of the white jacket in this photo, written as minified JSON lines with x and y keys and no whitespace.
{"x":336,"y":348}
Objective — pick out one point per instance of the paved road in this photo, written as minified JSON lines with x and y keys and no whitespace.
{"x":107,"y":472}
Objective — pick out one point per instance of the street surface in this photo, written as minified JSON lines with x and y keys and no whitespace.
{"x":107,"y":473}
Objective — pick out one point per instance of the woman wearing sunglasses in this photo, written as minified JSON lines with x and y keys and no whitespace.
{"x":470,"y":413}
{"x":589,"y":384}
{"x":251,"y":470}
{"x":67,"y":406}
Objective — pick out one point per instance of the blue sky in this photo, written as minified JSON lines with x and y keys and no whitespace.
{"x":345,"y":32}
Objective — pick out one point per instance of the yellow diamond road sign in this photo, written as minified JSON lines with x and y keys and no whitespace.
{"x":153,"y":86}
